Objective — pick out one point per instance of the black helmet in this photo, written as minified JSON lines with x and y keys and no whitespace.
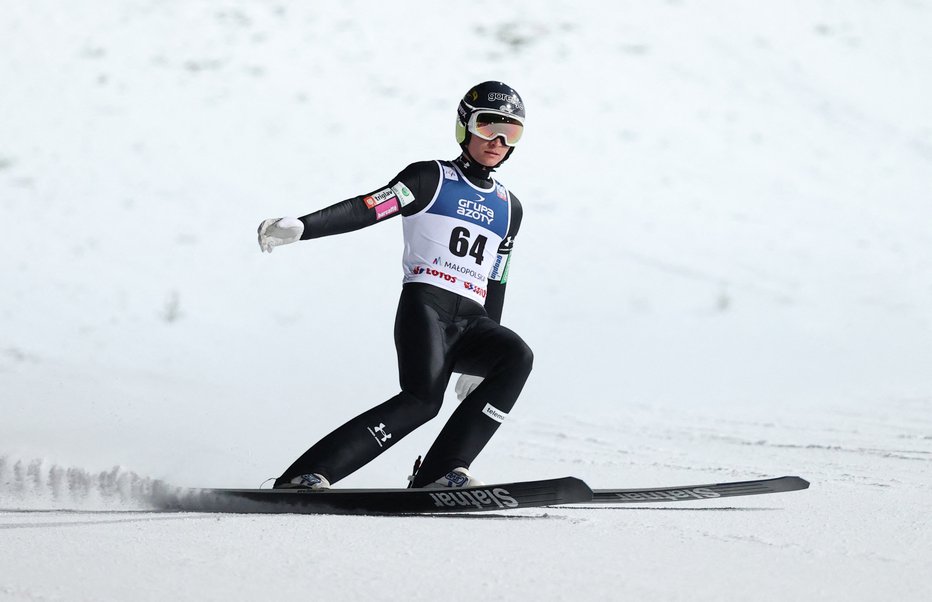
{"x":497,"y":98}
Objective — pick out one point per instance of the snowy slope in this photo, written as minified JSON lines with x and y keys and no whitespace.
{"x":724,"y":271}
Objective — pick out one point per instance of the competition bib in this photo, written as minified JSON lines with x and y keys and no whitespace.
{"x":454,"y":242}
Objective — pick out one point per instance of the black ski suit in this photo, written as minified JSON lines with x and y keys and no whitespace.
{"x":448,"y":317}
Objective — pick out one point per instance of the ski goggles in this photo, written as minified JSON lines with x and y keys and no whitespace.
{"x":490,"y":126}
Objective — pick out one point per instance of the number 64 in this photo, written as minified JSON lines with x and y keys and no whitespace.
{"x":459,"y":244}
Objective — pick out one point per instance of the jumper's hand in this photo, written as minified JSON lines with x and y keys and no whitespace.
{"x":279,"y":231}
{"x":466,"y":384}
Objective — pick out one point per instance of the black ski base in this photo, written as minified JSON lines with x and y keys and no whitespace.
{"x":698,"y":492}
{"x":506,"y":496}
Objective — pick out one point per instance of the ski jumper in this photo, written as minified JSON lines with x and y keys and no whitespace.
{"x":459,"y":229}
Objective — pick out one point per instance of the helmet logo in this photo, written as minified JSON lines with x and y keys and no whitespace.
{"x":509,"y":98}
{"x":474,"y":94}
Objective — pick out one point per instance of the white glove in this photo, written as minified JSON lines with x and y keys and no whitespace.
{"x":279,"y":231}
{"x":466,"y":384}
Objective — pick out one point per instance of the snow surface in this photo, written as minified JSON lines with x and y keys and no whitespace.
{"x":725,"y":271}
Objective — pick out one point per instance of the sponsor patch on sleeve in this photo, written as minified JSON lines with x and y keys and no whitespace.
{"x":505,"y":271}
{"x":378,"y":197}
{"x":499,"y":267}
{"x":387,"y":208}
{"x":402,"y":193}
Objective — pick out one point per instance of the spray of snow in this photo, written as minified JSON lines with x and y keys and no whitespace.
{"x":40,"y":485}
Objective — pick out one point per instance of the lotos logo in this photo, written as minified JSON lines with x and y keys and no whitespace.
{"x":435,"y":273}
{"x":478,"y":498}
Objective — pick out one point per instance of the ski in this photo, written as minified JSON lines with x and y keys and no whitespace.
{"x":698,"y":492}
{"x":505,"y":496}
